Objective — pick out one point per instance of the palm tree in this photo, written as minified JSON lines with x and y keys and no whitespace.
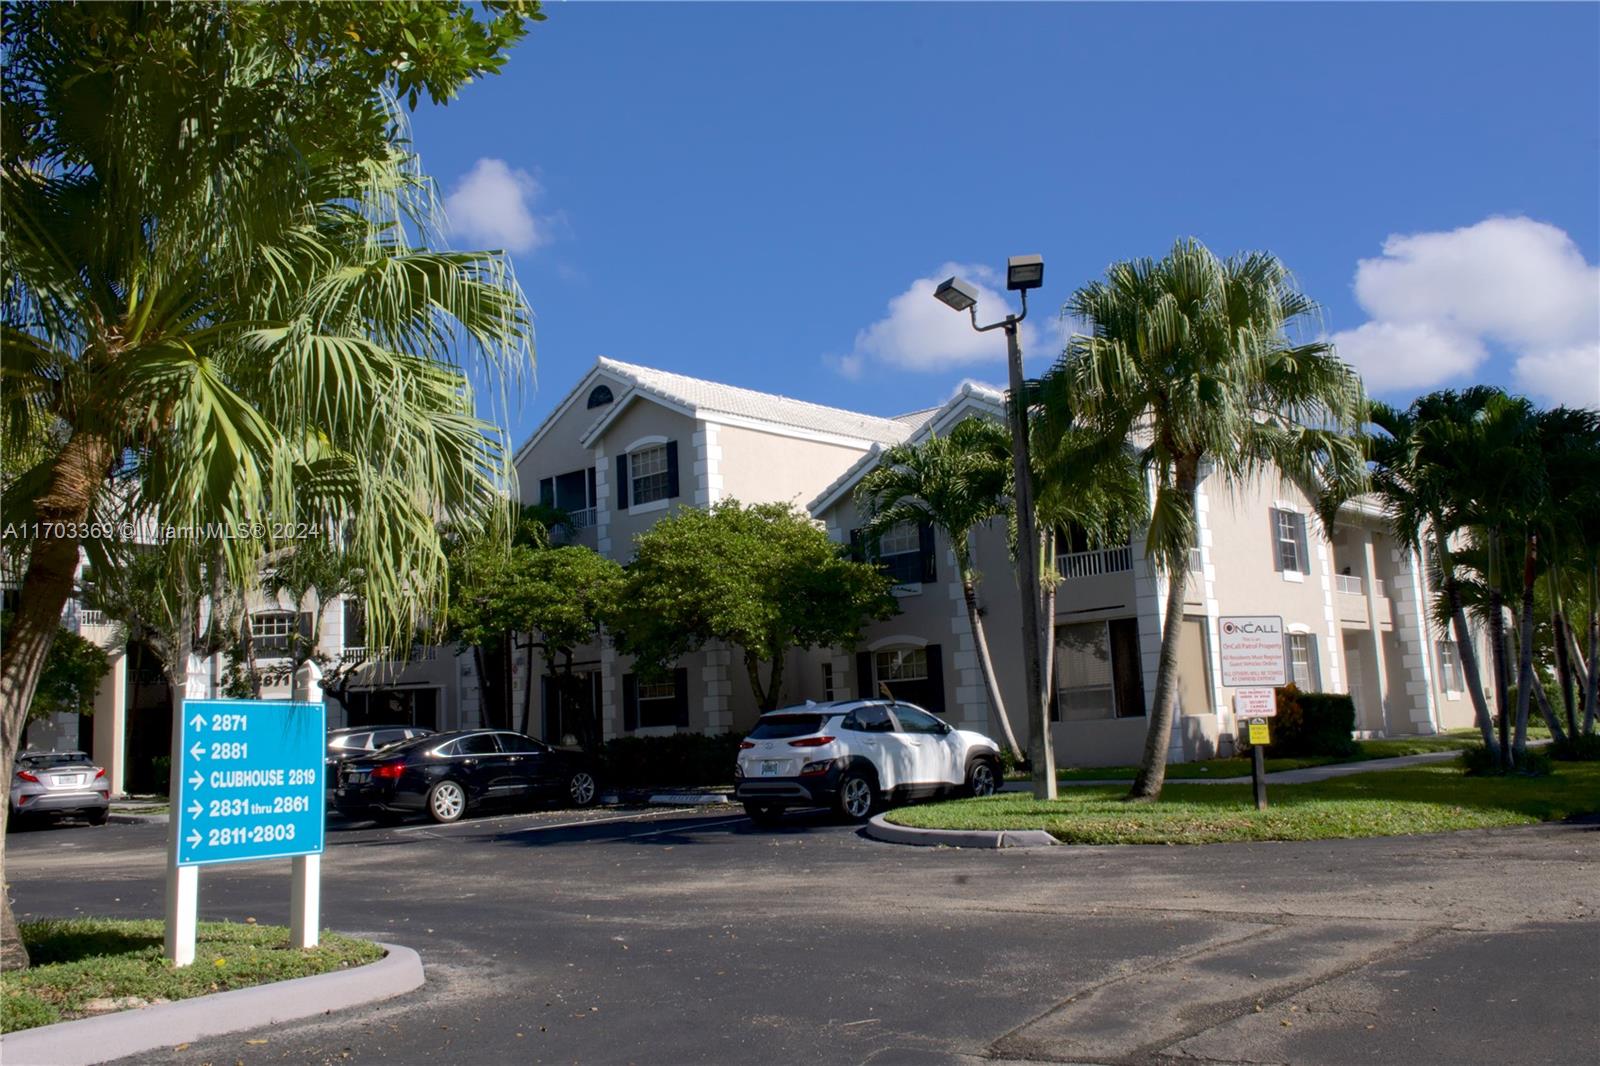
{"x":955,"y":483}
{"x":1190,"y":358}
{"x":214,"y":308}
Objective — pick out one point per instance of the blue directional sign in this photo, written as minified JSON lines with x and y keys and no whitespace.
{"x":250,"y":786}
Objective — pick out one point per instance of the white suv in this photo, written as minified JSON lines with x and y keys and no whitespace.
{"x":852,"y":755}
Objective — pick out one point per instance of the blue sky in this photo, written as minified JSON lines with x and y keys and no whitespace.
{"x":763,"y":194}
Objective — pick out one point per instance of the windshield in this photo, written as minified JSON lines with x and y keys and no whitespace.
{"x":48,"y":759}
{"x":784,"y":726}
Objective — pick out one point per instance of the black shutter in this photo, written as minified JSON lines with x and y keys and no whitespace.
{"x":680,"y":697}
{"x":857,"y":547}
{"x":306,"y":646}
{"x":1127,"y":667}
{"x":1314,"y":663}
{"x":622,"y":482}
{"x":547,"y":492}
{"x":935,"y":678}
{"x":925,"y":540}
{"x":630,"y":702}
{"x":672,"y":469}
{"x":1305,"y":547}
{"x":1277,"y":553}
{"x":864,"y":675}
{"x":592,"y":495}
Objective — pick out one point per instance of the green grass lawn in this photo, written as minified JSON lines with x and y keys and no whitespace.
{"x":1240,"y":767}
{"x":1421,"y":799}
{"x":84,"y":959}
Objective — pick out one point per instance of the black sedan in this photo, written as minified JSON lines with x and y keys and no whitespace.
{"x":446,"y":774}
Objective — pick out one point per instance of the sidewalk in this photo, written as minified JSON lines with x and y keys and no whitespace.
{"x":1282,"y":777}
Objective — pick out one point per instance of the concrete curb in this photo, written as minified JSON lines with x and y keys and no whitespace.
{"x":137,"y":819}
{"x":115,"y":1036}
{"x":880,"y":828}
{"x":681,"y":799}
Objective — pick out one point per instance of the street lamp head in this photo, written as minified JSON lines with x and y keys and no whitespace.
{"x":1024,"y":272}
{"x":958,"y":294}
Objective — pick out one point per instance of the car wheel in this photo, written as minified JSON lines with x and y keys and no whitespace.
{"x":98,"y":817}
{"x":763,"y":813}
{"x":856,"y":797}
{"x":582,"y":789}
{"x":983,"y":779}
{"x":447,"y":802}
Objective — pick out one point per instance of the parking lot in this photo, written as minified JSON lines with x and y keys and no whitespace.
{"x":676,"y":935}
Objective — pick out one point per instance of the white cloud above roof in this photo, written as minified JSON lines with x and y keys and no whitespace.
{"x":492,"y":206}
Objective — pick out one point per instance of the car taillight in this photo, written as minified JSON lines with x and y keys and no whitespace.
{"x":812,"y":769}
{"x":26,"y":776}
{"x":389,"y":770}
{"x":745,"y":745}
{"x":810,"y":742}
{"x":99,"y":773}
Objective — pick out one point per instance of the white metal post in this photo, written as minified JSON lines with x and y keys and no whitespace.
{"x":305,"y":900}
{"x":183,"y":882}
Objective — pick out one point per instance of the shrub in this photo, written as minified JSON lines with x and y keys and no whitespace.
{"x":680,"y":759}
{"x":1576,"y":749}
{"x":1311,"y":723}
{"x":1477,"y":762}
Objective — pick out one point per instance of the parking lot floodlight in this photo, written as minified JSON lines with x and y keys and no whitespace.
{"x":1024,"y":272}
{"x":958,"y":294}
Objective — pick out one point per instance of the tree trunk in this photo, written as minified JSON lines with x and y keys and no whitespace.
{"x":1468,"y":654}
{"x":79,"y":471}
{"x":1153,"y":766}
{"x":766,"y":695}
{"x":1558,"y":625}
{"x":527,"y":693}
{"x":986,"y":665}
{"x":1592,"y":667}
{"x":1542,"y":700}
{"x":1497,"y":653}
{"x":1525,"y":678}
{"x":1047,"y":622}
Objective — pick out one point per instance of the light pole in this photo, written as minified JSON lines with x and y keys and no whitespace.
{"x":1023,"y":272}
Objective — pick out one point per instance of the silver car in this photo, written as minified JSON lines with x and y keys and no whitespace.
{"x":59,"y":782}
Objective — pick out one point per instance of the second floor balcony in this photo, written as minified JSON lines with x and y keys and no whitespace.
{"x":1096,"y":562}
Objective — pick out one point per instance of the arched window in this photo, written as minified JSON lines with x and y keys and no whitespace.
{"x":599,"y":396}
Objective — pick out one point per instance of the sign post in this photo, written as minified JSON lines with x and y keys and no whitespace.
{"x":1252,"y":653}
{"x":248,"y":786}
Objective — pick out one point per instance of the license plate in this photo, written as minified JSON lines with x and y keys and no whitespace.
{"x":67,"y":780}
{"x":769,"y":769}
{"x":356,"y":775}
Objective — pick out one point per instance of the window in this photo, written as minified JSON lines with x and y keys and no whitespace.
{"x":599,"y":396}
{"x":1289,"y":535}
{"x":905,"y":552}
{"x":517,"y":744}
{"x":902,"y":664}
{"x":646,"y":704}
{"x":647,"y":470}
{"x":355,"y":623}
{"x":1449,"y":666}
{"x":1099,"y":673}
{"x":271,"y":631}
{"x":476,"y":744}
{"x":870,"y":719}
{"x":787,"y":726}
{"x":827,"y":681}
{"x":915,"y":721}
{"x":656,"y":701}
{"x":899,"y":539}
{"x":1303,"y":662}
{"x":355,"y":742}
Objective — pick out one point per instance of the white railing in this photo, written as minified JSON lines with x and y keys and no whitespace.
{"x":1094,"y":563}
{"x":353,"y":655}
{"x":92,"y":618}
{"x":1349,"y":584}
{"x":582,"y":518}
{"x":1196,"y":561}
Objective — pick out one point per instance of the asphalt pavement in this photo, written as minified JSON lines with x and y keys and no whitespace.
{"x":691,"y":936}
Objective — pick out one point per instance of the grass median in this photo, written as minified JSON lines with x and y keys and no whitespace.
{"x":1421,"y":799}
{"x":88,"y":966}
{"x":1366,"y":750}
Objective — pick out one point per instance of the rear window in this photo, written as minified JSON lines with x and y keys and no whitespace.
{"x":784,"y":726}
{"x":46,"y":760}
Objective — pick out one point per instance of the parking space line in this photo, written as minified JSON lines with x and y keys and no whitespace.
{"x":687,"y":829}
{"x":603,"y":821}
{"x":469,"y":822}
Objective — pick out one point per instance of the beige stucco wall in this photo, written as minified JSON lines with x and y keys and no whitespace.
{"x":641,"y":421}
{"x":560,"y":449}
{"x":766,"y":467}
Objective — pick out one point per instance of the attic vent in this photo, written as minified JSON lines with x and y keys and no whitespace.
{"x":600,"y":396}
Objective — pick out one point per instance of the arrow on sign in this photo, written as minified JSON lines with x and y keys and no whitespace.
{"x":195,"y":779}
{"x":198,"y":721}
{"x":194,"y":838}
{"x":194,"y":809}
{"x":196,"y":751}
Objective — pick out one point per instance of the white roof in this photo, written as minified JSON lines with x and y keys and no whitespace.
{"x":702,"y":398}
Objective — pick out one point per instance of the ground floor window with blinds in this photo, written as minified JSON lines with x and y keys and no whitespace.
{"x":1303,"y":662}
{"x":1099,"y":673}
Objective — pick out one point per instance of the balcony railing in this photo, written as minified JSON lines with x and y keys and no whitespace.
{"x":1095,"y":563}
{"x":1350,"y":584}
{"x":92,"y":618}
{"x":582,"y":518}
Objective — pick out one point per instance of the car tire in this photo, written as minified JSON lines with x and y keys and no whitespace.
{"x":582,"y":789}
{"x":857,"y":797}
{"x":763,"y":813}
{"x":447,"y":802}
{"x":983,"y":777}
{"x":98,"y":817}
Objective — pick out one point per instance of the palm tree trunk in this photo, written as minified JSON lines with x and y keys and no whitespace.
{"x":986,"y":665}
{"x":1153,"y":767}
{"x":1542,"y":700}
{"x":79,"y":471}
{"x":1558,"y":625}
{"x":1525,"y":678}
{"x":1592,"y":667}
{"x":1047,"y":621}
{"x":1468,"y":653}
{"x":1497,"y":652}
{"x":527,"y":692}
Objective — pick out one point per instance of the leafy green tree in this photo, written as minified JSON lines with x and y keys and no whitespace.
{"x":1191,"y":357}
{"x":956,"y":483}
{"x":762,"y":578}
{"x":212,"y":292}
{"x":71,"y":675}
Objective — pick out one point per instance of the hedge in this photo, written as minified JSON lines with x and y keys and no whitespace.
{"x":1312,"y":723}
{"x":681,"y":759}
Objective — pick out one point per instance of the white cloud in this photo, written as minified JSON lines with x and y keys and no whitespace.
{"x":920,"y":333}
{"x":1442,"y":302}
{"x":491,"y":206}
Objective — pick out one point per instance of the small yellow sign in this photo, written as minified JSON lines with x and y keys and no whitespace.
{"x":1258,"y":732}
